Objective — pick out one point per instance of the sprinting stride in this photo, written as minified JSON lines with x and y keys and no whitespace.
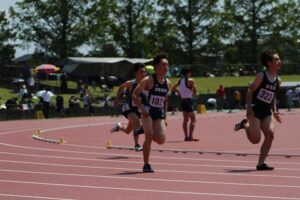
{"x":261,"y":105}
{"x":129,"y":109}
{"x":154,"y":111}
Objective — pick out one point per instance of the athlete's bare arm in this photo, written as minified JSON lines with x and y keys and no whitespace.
{"x":145,"y":84}
{"x":191,"y":83}
{"x":127,"y":84}
{"x":253,"y":87}
{"x":276,"y":114}
{"x":175,"y":88}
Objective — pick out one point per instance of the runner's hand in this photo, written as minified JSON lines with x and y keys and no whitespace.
{"x":277,"y":116}
{"x":166,"y":123}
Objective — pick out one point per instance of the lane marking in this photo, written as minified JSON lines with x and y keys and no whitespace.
{"x":138,"y":156}
{"x":148,"y":179}
{"x":204,"y":151}
{"x":157,"y":170}
{"x":148,"y":190}
{"x":32,"y":197}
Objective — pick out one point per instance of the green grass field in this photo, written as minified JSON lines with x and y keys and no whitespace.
{"x":204,"y":85}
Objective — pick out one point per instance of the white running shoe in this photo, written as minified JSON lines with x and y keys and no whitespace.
{"x":116,"y":128}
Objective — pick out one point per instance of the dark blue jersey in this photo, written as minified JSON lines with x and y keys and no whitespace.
{"x":266,"y":92}
{"x":157,"y":93}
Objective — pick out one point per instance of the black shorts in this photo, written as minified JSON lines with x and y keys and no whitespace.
{"x":156,"y":113}
{"x":126,"y":110}
{"x":187,"y":105}
{"x":261,"y":112}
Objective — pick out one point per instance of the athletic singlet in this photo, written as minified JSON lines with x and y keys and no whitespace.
{"x":185,"y":90}
{"x":129,"y":102}
{"x":157,"y":93}
{"x":266,"y":92}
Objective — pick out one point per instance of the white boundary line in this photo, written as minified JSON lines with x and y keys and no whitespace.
{"x":157,"y":170}
{"x":131,"y":155}
{"x":32,"y":197}
{"x":151,"y":179}
{"x":148,"y":190}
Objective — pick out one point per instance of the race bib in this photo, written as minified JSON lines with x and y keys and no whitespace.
{"x":265,"y":95}
{"x":125,"y":107}
{"x":157,"y":101}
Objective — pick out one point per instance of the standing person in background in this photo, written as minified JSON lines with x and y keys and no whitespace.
{"x":129,"y":109}
{"x":261,"y":104}
{"x":237,"y":96}
{"x":46,"y":98}
{"x":187,"y":90}
{"x":220,"y":98}
{"x":154,"y":112}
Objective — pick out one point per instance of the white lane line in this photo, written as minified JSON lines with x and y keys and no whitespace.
{"x":107,"y":160}
{"x":135,"y":156}
{"x":148,"y":190}
{"x":17,"y":131}
{"x":32,"y":197}
{"x":139,"y":162}
{"x":150,"y":179}
{"x":157,"y":170}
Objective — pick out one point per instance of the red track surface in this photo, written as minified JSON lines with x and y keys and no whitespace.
{"x":84,"y":169}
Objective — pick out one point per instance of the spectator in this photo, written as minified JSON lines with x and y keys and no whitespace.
{"x":74,"y":102}
{"x":63,"y":83}
{"x":11,"y":104}
{"x":289,"y":97}
{"x":87,"y":102}
{"x":46,"y":98}
{"x":23,"y":91}
{"x":237,"y":99}
{"x":60,"y":106}
{"x":220,"y":98}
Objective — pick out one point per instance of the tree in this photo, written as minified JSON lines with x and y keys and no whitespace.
{"x":131,"y":24}
{"x":7,"y":51}
{"x":56,"y":27}
{"x":101,"y":41}
{"x":254,"y":22}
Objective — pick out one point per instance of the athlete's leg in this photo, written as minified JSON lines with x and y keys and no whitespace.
{"x":267,"y":127}
{"x":192,"y":116}
{"x":252,"y":128}
{"x":185,"y":124}
{"x":133,"y":121}
{"x":148,"y":131}
{"x":159,"y":131}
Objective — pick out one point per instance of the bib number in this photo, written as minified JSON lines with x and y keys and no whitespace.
{"x":125,"y":107}
{"x":265,"y":95}
{"x":157,"y":101}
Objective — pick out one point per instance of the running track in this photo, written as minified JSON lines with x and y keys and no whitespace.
{"x":83,"y":168}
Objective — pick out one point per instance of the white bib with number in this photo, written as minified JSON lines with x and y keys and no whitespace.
{"x":265,"y":95}
{"x":125,"y":107}
{"x":157,"y":101}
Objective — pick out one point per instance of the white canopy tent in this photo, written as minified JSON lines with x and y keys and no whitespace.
{"x":106,"y":66}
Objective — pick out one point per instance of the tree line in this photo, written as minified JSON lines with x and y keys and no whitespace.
{"x":194,"y":32}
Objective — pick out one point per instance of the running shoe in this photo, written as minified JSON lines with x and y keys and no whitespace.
{"x":137,"y":148}
{"x":240,"y":125}
{"x":147,"y":168}
{"x":191,"y":139}
{"x":263,"y":167}
{"x":116,"y":128}
{"x":138,"y":131}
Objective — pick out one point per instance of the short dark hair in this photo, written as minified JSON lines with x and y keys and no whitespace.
{"x":138,"y":66}
{"x":267,"y":56}
{"x":185,"y":70}
{"x":159,"y":57}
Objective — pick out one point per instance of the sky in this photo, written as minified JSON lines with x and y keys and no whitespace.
{"x":4,"y":6}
